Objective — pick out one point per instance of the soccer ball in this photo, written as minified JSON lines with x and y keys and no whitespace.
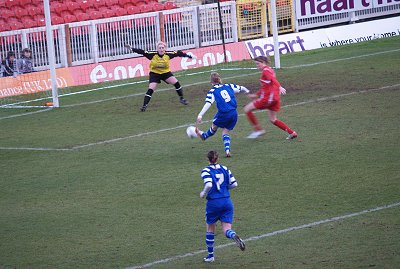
{"x":191,"y":132}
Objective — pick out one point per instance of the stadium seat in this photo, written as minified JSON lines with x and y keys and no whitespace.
{"x":107,"y":12}
{"x":11,"y":20}
{"x":72,"y":6}
{"x":6,"y":13}
{"x":70,"y":18}
{"x":170,"y":5}
{"x":94,"y":15}
{"x":82,"y":16}
{"x":112,"y":3}
{"x":56,"y":20}
{"x":133,"y":10}
{"x":37,"y":5}
{"x":122,"y":3}
{"x":20,"y":12}
{"x":40,"y":20}
{"x":99,"y":3}
{"x":144,"y":8}
{"x":25,"y":2}
{"x":15,"y":25}
{"x":139,"y":2}
{"x":29,"y":23}
{"x":32,"y":10}
{"x":157,"y":6}
{"x":11,"y":3}
{"x":128,"y":5}
{"x":62,"y":8}
{"x":65,"y":13}
{"x":3,"y":27}
{"x":25,"y":18}
{"x":119,"y":11}
{"x":85,"y":4}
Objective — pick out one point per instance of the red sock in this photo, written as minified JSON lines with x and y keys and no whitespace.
{"x":283,"y":126}
{"x":253,"y":120}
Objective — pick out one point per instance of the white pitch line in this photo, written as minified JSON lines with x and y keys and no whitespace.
{"x":34,"y":149}
{"x":26,"y":114}
{"x":142,"y":94}
{"x":199,"y":83}
{"x":283,"y":231}
{"x":226,"y":78}
{"x":342,"y":59}
{"x":131,"y":136}
{"x":321,"y":99}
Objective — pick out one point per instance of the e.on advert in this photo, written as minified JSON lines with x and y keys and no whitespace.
{"x":139,"y":66}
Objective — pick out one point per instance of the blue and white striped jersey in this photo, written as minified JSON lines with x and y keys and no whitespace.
{"x":224,"y":96}
{"x":221,"y":178}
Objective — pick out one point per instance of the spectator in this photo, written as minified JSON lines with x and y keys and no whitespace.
{"x":25,"y":64}
{"x":9,"y":65}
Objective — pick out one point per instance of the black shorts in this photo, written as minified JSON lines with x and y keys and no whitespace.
{"x":154,"y":77}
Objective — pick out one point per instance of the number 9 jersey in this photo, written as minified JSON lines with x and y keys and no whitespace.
{"x":224,"y":96}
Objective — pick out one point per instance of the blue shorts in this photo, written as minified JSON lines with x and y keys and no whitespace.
{"x":219,"y":209}
{"x":226,"y":120}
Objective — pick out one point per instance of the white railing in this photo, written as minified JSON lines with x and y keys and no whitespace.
{"x":346,"y":17}
{"x":103,"y":40}
{"x":184,"y":28}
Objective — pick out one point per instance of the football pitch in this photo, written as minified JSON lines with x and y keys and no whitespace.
{"x":98,"y":184}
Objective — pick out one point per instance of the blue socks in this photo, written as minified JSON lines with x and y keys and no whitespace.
{"x":209,"y":133}
{"x":210,"y":244}
{"x":226,"y":138}
{"x":210,"y":241}
{"x":230,"y":233}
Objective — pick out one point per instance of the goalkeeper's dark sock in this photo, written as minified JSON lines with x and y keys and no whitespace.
{"x":179,"y":89}
{"x":230,"y":233}
{"x":147,"y":97}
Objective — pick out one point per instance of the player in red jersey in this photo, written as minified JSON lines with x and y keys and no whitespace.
{"x":268,"y":97}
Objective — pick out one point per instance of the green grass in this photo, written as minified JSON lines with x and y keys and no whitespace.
{"x":135,"y":201}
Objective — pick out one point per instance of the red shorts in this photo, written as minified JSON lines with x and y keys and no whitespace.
{"x":274,"y":105}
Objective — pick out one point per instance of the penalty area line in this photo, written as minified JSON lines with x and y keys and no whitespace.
{"x":283,"y":231}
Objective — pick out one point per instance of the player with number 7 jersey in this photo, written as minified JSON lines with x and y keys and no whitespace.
{"x":218,"y":180}
{"x":224,"y":96}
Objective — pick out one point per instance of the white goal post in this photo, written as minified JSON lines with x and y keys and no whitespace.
{"x":51,"y":54}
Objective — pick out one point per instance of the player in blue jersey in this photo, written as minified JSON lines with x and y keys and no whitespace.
{"x":226,"y":117}
{"x":218,"y":180}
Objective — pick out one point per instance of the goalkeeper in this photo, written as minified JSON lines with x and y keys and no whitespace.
{"x":160,"y":70}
